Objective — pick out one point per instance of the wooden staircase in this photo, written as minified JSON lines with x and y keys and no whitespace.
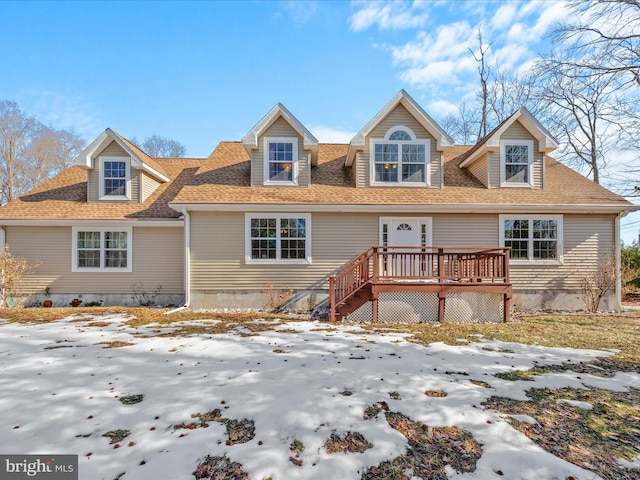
{"x":355,"y":301}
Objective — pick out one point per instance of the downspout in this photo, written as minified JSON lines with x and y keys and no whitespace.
{"x":3,"y":239}
{"x":187,"y":257}
{"x":618,"y":255}
{"x":187,"y":263}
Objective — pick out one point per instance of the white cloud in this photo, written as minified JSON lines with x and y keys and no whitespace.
{"x":301,"y":12}
{"x":437,"y":59}
{"x":62,"y":112}
{"x":388,"y":16}
{"x":326,"y":134}
{"x":503,"y":16}
{"x":442,"y":108}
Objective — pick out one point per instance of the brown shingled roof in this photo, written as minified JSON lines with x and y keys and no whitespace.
{"x":224,"y":178}
{"x":64,"y":197}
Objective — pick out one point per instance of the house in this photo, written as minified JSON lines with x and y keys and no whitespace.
{"x":401,"y":221}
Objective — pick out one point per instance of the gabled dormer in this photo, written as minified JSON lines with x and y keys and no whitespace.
{"x":402,"y":146}
{"x":118,"y":171}
{"x":282,"y":150}
{"x":513,"y":154}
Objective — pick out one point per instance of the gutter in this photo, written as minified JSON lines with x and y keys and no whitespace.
{"x":406,"y":208}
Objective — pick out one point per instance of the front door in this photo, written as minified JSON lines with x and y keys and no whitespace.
{"x":397,"y":234}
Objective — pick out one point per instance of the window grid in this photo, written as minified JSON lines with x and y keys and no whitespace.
{"x":102,"y":250}
{"x":532,"y":239}
{"x":386,"y":162}
{"x":516,"y":163}
{"x":278,"y":238}
{"x":281,"y":161}
{"x":115,"y":178}
{"x":399,"y":159}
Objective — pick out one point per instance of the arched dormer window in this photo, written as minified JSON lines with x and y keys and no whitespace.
{"x":400,"y":158}
{"x":400,"y":133}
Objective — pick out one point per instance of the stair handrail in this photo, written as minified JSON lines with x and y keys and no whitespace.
{"x":337,"y":279}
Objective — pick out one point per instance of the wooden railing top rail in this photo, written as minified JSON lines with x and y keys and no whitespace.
{"x":354,"y":261}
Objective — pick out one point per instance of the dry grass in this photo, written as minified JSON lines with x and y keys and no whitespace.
{"x":596,"y":331}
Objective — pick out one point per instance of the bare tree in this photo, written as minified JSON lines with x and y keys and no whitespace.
{"x":30,"y":152}
{"x":463,"y":125}
{"x":161,"y":147}
{"x":507,"y":92}
{"x":604,"y":37}
{"x":583,"y":112}
{"x":484,"y":71}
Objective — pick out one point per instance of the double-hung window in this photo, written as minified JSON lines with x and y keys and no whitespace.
{"x":278,"y":238}
{"x":400,"y":159}
{"x":516,"y":163}
{"x":115,"y":178}
{"x":280,"y":161}
{"x":102,"y":249}
{"x":532,"y":238}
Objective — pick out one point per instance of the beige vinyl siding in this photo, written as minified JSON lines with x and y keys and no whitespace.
{"x":516,"y":132}
{"x":480,"y":170}
{"x":218,"y":252}
{"x":158,"y":259}
{"x":398,"y":116}
{"x":280,"y":128}
{"x":588,"y":239}
{"x":465,"y":230}
{"x":148,"y":186}
{"x":93,"y":185}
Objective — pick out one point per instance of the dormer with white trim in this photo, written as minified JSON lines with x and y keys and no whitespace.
{"x":513,"y":155}
{"x":118,"y":171}
{"x":282,"y":150}
{"x":401,"y":146}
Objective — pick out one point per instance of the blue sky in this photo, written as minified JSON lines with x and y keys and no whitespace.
{"x":201,"y":72}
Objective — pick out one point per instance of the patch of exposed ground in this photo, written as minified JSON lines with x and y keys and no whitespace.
{"x":590,"y":428}
{"x":350,"y":442}
{"x":430,"y":450}
{"x":219,"y":468}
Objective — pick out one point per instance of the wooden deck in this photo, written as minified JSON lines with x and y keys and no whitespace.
{"x":442,"y":270}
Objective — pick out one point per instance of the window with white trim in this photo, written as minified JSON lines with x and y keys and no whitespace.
{"x":281,"y":160}
{"x":115,"y":178}
{"x":532,"y":238}
{"x":278,"y":238}
{"x":400,"y":158}
{"x":101,"y":249}
{"x":516,"y":163}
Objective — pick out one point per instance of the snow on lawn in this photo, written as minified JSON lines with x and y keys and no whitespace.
{"x":300,"y":381}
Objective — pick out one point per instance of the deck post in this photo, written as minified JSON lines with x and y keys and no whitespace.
{"x":374,"y":305}
{"x":507,"y":308}
{"x":332,"y":299}
{"x":441,"y":301}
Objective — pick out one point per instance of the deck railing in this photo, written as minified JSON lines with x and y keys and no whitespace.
{"x":436,"y":265}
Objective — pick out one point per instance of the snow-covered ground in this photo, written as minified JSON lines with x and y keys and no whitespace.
{"x":303,"y":381}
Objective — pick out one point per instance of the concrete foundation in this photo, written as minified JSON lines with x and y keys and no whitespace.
{"x":297,"y":301}
{"x":570,"y":300}
{"x":127,"y":300}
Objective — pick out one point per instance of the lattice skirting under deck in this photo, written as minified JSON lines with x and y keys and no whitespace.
{"x":422,"y":307}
